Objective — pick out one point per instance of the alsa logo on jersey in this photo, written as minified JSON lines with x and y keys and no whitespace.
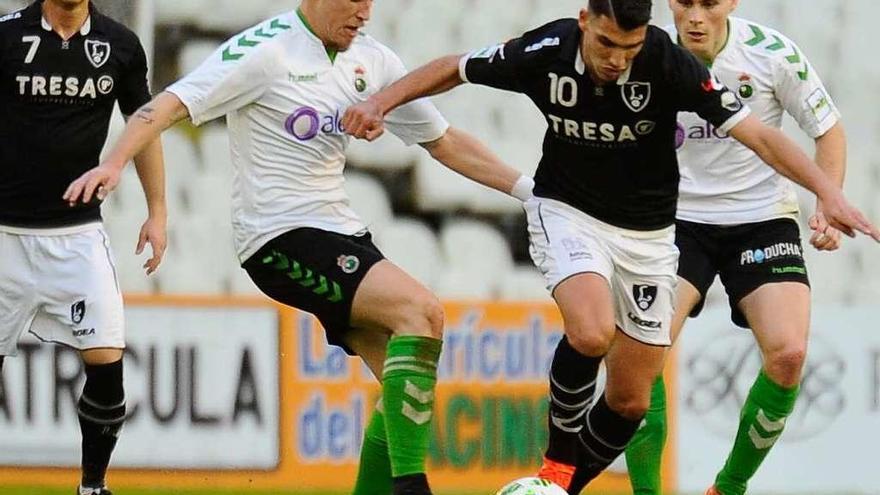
{"x":64,"y":86}
{"x":779,"y":250}
{"x":600,"y":131}
{"x":704,"y":131}
{"x":306,"y":123}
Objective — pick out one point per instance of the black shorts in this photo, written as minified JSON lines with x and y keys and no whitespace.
{"x":316,"y":271}
{"x":746,"y":257}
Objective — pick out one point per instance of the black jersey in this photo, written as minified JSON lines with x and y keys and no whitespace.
{"x":56,"y":99}
{"x":609,"y":150}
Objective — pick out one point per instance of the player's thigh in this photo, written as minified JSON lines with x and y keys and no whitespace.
{"x":760,"y":254}
{"x":570,"y":251}
{"x":699,"y":247}
{"x":587,"y":309}
{"x":687,"y":298}
{"x":18,"y":291}
{"x":779,"y":315}
{"x":392,"y":302}
{"x":80,"y":297}
{"x":632,"y":367}
{"x":316,"y":271}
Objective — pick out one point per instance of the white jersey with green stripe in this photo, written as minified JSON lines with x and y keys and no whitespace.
{"x":283,"y":94}
{"x":722,"y":181}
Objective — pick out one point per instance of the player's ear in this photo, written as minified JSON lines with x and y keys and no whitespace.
{"x":583,"y":18}
{"x":733,"y":5}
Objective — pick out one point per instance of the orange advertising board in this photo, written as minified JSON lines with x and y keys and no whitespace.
{"x":489,"y":425}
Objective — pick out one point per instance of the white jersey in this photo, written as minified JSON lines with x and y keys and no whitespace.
{"x":284,"y":99}
{"x":722,"y":181}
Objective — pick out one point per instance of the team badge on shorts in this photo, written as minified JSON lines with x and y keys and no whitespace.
{"x":644,"y":295}
{"x":349,"y":264}
{"x":98,"y":52}
{"x":77,"y":312}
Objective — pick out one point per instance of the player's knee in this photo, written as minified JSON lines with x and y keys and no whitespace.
{"x":422,"y":315}
{"x":785,"y":366}
{"x":629,"y":406}
{"x":591,"y":338}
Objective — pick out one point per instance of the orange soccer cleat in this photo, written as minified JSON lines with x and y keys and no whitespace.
{"x":556,"y":472}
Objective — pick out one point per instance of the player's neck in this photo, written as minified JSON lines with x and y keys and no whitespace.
{"x":66,"y":21}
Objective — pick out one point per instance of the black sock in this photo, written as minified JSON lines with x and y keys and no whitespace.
{"x":572,"y":385}
{"x":604,"y":437}
{"x":1,"y":362}
{"x":412,"y":484}
{"x":101,"y":413}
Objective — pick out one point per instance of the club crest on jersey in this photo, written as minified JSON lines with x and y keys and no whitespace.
{"x":360,"y":81}
{"x":98,"y":52}
{"x":636,"y":95}
{"x":644,"y":295}
{"x":77,"y":312}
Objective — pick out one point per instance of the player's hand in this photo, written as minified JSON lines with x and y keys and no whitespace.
{"x":97,"y":182}
{"x":364,"y":121}
{"x":844,"y":217}
{"x":153,"y":231}
{"x":825,"y":237}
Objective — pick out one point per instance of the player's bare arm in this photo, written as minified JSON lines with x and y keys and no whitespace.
{"x":831,"y":158}
{"x":466,"y":155}
{"x":151,"y":172}
{"x":781,"y":153}
{"x":365,"y":120}
{"x":144,"y":127}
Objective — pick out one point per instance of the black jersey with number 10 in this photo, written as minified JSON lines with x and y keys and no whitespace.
{"x":609,"y":149}
{"x":56,"y":99}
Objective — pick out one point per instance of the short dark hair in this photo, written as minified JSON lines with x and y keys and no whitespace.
{"x":628,"y":14}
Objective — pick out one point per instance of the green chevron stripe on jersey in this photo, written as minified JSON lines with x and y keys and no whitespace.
{"x":275,"y":27}
{"x":777,"y":44}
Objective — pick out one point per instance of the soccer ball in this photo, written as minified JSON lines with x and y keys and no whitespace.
{"x":531,"y":486}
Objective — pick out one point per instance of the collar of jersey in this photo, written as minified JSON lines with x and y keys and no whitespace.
{"x":37,"y":17}
{"x":84,"y":30}
{"x":331,"y":52}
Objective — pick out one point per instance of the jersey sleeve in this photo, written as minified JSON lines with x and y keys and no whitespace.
{"x":135,"y":90}
{"x":418,"y":121}
{"x":226,"y":81}
{"x":698,"y":90}
{"x":499,"y":66}
{"x":801,"y":92}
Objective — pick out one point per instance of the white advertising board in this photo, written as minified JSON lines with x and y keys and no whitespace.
{"x":202,"y":391}
{"x":830,"y":441}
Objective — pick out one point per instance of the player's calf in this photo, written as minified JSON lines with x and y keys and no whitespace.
{"x":572,"y":387}
{"x":101,"y":410}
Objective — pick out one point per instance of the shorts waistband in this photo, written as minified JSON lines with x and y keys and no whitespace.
{"x":56,"y":231}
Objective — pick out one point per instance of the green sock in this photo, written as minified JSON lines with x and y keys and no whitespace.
{"x":644,"y":454}
{"x":374,"y":471}
{"x":408,"y":397}
{"x":760,"y":425}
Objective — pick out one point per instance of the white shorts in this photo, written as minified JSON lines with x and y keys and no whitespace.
{"x":61,"y":285}
{"x":640,"y":267}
